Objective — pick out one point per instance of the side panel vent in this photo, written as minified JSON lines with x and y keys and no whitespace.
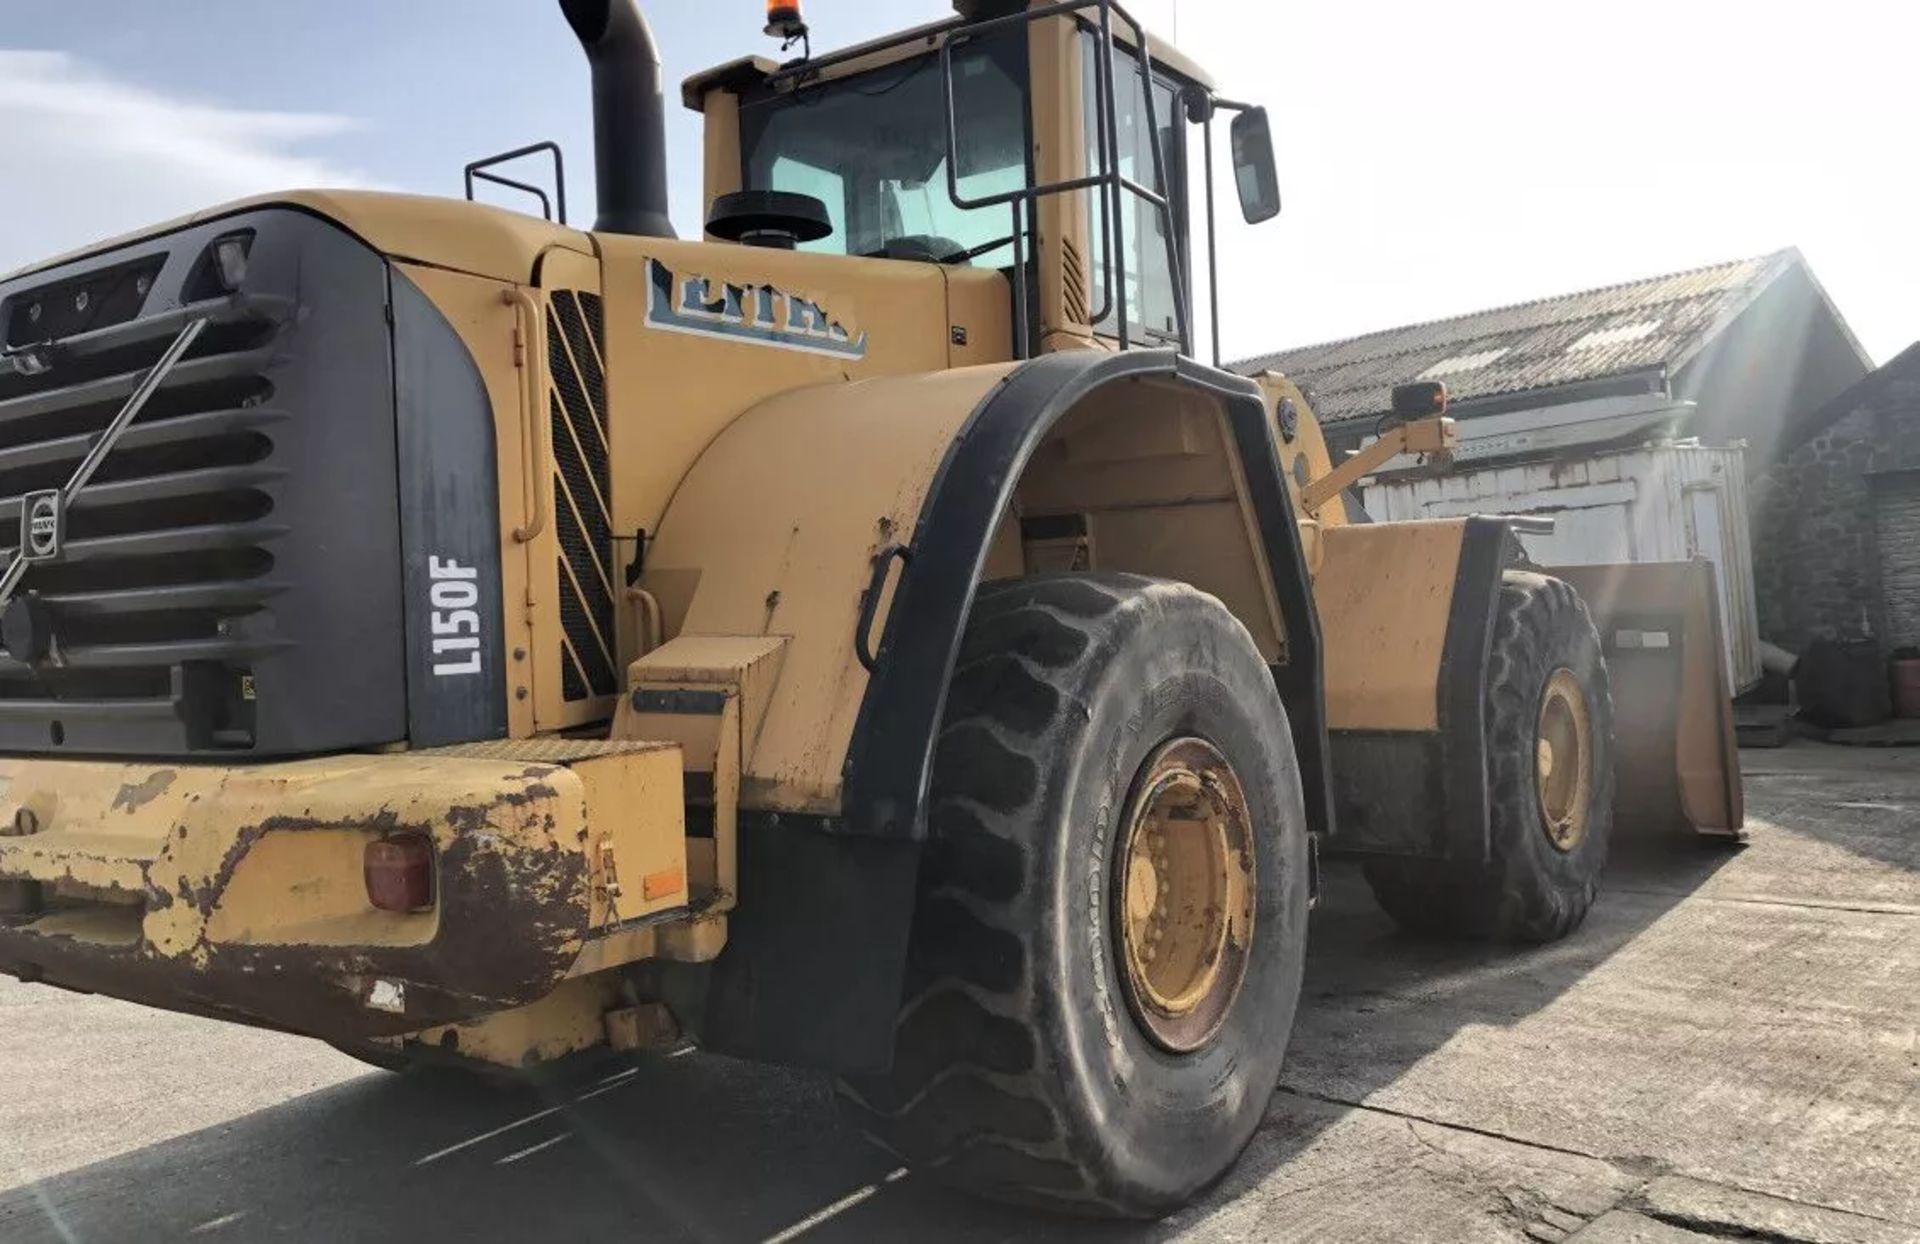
{"x":577,"y":404}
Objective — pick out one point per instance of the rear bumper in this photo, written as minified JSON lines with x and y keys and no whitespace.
{"x":238,"y":891}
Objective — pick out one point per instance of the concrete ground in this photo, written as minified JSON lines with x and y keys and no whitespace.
{"x":1729,"y":1049}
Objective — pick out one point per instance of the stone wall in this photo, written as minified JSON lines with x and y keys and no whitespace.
{"x":1816,"y":556}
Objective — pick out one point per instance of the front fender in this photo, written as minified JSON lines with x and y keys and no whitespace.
{"x":1409,"y":611}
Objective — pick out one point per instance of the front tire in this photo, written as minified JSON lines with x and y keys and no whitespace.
{"x":1111,"y":923}
{"x":1549,"y":722}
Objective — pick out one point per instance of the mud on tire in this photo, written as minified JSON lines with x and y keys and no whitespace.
{"x":1530,"y":890}
{"x":1019,"y":1070}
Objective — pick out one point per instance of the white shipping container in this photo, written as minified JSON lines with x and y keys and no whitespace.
{"x":1659,"y":503}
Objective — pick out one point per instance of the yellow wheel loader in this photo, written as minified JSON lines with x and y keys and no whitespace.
{"x":868,"y":638}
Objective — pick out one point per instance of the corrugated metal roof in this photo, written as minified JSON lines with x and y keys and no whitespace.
{"x":1554,"y":341}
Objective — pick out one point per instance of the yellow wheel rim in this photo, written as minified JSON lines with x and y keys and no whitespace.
{"x":1185,"y":896}
{"x":1563,"y":756}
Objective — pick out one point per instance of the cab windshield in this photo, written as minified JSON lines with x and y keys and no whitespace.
{"x":873,"y":148}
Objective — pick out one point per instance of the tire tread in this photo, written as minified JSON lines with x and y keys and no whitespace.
{"x":994,"y":1128}
{"x":1508,"y":898}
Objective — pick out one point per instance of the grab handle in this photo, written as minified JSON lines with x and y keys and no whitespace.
{"x":535,"y":430}
{"x":870,"y":601}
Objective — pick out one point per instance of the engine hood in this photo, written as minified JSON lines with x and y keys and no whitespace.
{"x":446,"y":233}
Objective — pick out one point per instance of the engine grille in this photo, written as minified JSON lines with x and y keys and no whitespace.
{"x":171,"y":543}
{"x":232,"y":579}
{"x":577,"y":401}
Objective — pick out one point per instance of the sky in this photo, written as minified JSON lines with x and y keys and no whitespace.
{"x":1436,"y":157}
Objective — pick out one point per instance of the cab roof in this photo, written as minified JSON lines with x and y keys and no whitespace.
{"x":914,"y":41}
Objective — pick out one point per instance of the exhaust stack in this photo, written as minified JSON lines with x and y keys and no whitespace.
{"x":629,"y":116}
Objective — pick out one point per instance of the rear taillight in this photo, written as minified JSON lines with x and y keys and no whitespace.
{"x":400,"y":873}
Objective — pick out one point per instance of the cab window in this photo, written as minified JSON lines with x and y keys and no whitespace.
{"x":873,"y":147}
{"x":1150,"y":290}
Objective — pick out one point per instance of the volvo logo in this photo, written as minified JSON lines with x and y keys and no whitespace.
{"x":43,"y":514}
{"x":42,"y":525}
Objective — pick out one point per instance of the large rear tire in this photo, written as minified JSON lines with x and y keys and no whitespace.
{"x":1549,"y":722}
{"x":1111,"y":921}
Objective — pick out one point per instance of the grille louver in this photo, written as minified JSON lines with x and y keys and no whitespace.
{"x":170,"y":546}
{"x":577,"y":404}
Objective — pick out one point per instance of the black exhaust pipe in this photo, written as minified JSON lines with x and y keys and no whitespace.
{"x":629,"y":116}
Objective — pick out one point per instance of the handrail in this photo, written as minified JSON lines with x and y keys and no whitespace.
{"x":534,"y":449}
{"x":1111,"y":182}
{"x":477,"y":171}
{"x":546,"y":204}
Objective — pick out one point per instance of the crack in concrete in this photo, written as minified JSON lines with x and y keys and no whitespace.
{"x":1714,"y":1227}
{"x":1731,"y":1230}
{"x":1761,"y":900}
{"x":1645,"y":1168}
{"x":1413,"y":1130}
{"x":1452,"y":1127}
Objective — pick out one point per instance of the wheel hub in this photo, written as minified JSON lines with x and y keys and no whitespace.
{"x":1563,"y":751}
{"x":1185,"y":895}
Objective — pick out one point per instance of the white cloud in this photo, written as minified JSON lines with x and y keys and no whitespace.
{"x":86,"y":155}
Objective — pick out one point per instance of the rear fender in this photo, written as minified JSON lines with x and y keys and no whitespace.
{"x":817,"y":945}
{"x":890,"y":761}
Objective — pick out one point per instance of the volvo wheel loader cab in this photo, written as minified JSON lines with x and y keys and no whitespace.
{"x":867,"y":638}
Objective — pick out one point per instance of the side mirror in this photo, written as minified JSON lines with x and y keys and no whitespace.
{"x":1253,"y":170}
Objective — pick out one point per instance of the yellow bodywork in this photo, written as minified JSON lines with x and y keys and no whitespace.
{"x":753,"y":486}
{"x":758,"y":602}
{"x":1384,"y":592}
{"x":793,"y":563}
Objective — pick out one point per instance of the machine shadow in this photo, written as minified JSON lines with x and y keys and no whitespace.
{"x":702,"y":1148}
